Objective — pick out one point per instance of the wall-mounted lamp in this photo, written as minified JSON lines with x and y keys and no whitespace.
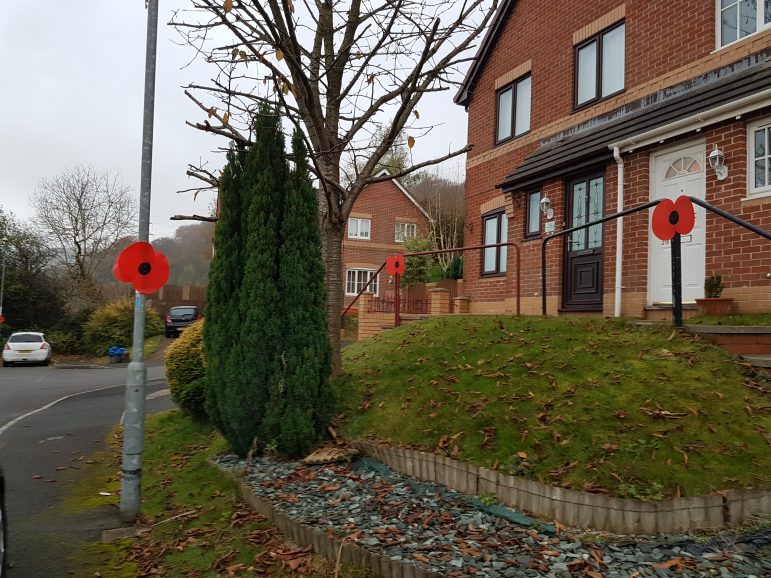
{"x":717,"y":162}
{"x":546,"y":207}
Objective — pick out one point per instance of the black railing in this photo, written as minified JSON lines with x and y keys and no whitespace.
{"x":677,"y":296}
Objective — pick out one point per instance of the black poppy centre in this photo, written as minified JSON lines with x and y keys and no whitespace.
{"x":145,"y":268}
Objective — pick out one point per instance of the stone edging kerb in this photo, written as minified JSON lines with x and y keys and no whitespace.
{"x":573,"y":508}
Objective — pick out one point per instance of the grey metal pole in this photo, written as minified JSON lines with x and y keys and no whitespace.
{"x":2,"y":283}
{"x":134,"y":421}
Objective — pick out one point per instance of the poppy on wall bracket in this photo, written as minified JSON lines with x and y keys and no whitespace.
{"x":395,"y":265}
{"x":142,"y":266}
{"x":670,"y":218}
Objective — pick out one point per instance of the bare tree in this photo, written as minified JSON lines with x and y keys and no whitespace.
{"x":445,"y":203}
{"x":85,"y":212}
{"x":339,"y":70}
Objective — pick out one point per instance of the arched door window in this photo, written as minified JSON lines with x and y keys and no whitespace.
{"x":683,"y":166}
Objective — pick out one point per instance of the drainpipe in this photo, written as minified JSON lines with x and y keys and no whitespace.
{"x":619,"y":229}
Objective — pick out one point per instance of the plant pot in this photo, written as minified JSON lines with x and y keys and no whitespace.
{"x":714,"y":305}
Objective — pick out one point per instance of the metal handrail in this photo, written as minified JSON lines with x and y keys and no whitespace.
{"x":453,"y":250}
{"x":696,"y":201}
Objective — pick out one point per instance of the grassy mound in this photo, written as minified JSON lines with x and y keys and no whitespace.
{"x":591,"y":404}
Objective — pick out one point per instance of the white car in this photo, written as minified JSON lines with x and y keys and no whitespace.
{"x":26,"y":347}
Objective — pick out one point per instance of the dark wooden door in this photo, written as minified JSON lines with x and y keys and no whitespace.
{"x":582,"y":289}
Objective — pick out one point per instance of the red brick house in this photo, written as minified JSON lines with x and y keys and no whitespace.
{"x":604,"y":105}
{"x":384,"y":214}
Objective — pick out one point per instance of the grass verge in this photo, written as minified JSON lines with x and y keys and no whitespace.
{"x":198,"y":524}
{"x":761,"y":319}
{"x":591,"y":404}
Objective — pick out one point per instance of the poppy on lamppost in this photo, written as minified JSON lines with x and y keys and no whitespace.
{"x":395,"y":265}
{"x":670,"y":218}
{"x":142,"y":266}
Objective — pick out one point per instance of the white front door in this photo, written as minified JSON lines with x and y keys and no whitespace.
{"x":674,"y":173}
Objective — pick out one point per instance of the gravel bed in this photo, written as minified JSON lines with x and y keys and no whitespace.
{"x":443,"y":531}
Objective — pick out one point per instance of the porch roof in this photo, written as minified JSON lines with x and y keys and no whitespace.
{"x":591,"y":147}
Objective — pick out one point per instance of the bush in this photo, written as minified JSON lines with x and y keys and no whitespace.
{"x":113,"y":324}
{"x":65,"y":342}
{"x":186,"y":370}
{"x":455,"y":268}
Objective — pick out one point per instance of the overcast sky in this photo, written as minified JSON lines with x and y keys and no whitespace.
{"x":72,"y":93}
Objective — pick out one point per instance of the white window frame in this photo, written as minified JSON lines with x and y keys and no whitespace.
{"x":404,"y":230}
{"x":598,"y":64}
{"x":761,"y":25}
{"x":752,"y":191}
{"x":355,"y":232}
{"x":359,"y":281}
{"x":521,"y":108}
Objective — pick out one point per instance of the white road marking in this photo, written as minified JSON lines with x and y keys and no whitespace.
{"x":16,"y":420}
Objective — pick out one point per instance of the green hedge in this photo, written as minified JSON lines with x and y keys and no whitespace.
{"x":113,"y":324}
{"x":186,"y":370}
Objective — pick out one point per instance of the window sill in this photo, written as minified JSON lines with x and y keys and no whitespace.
{"x":511,"y":138}
{"x":763,"y":197}
{"x":766,"y":28}
{"x":492,"y":275}
{"x":589,"y":104}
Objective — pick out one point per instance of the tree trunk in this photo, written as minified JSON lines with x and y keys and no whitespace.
{"x":332,"y":249}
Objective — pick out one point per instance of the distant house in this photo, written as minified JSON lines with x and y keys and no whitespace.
{"x":384,"y":214}
{"x":603,"y":104}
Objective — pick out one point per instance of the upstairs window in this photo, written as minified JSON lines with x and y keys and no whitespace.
{"x":358,"y":228}
{"x":759,"y":141}
{"x":496,"y":230}
{"x":600,"y":66}
{"x":740,"y":18}
{"x":404,"y":230}
{"x":513,"y":109}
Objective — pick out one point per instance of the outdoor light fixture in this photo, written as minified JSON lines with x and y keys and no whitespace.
{"x":546,"y":207}
{"x":717,"y":162}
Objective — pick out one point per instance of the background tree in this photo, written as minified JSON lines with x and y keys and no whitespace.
{"x":417,"y":269}
{"x":338,"y":70}
{"x":33,"y":296}
{"x":84,"y":211}
{"x":445,"y":203}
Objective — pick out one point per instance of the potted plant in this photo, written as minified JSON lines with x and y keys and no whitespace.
{"x":713,"y":303}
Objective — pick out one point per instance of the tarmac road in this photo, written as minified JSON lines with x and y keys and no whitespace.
{"x":49,"y":419}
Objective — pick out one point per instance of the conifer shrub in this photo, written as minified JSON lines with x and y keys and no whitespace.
{"x":113,"y":324}
{"x":267,"y":349}
{"x":186,"y":370}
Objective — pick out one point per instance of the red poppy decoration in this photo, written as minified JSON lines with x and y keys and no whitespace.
{"x":142,"y":266}
{"x":670,"y":218}
{"x":395,"y":265}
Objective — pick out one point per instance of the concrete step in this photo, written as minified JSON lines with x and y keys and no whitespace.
{"x":740,"y":339}
{"x":758,"y":360}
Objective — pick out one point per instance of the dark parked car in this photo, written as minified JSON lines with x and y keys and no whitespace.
{"x":180,"y":317}
{"x":3,"y":530}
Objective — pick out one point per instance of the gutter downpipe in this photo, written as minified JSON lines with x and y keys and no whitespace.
{"x":619,"y":229}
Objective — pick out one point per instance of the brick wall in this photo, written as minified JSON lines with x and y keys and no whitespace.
{"x":663,"y":48}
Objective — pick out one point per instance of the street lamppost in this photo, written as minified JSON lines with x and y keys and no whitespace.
{"x":134,"y":421}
